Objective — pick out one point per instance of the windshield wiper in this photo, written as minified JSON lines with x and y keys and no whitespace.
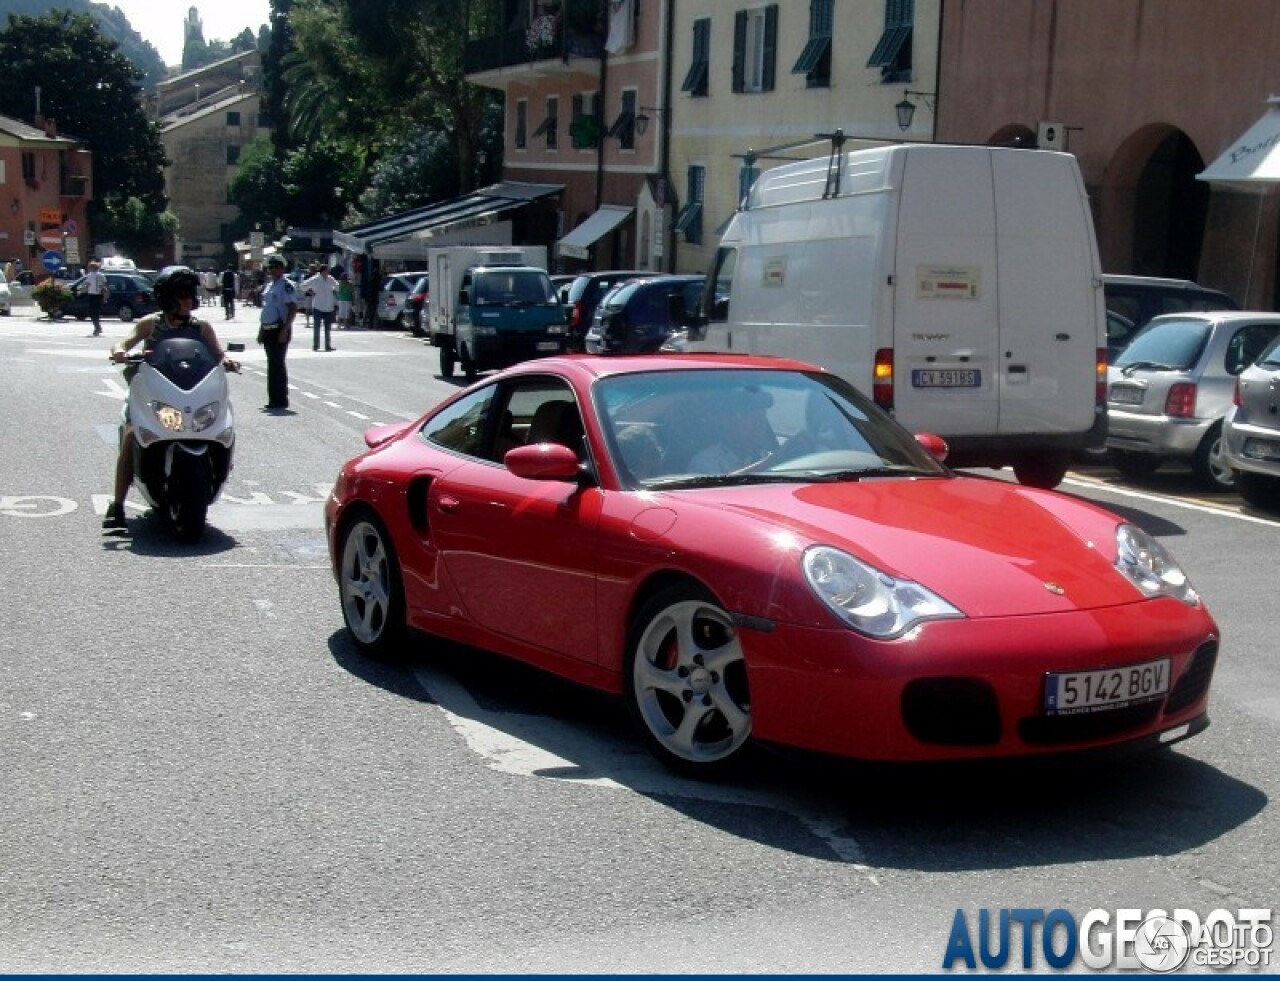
{"x":835,"y":476}
{"x":724,"y":480}
{"x":1132,"y":366}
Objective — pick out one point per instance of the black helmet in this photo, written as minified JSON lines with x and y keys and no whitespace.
{"x":173,"y":282}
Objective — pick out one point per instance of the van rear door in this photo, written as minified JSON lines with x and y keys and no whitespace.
{"x":1052,"y":319}
{"x":945,"y":317}
{"x":998,"y":306}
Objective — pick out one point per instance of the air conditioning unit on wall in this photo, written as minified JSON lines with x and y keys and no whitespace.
{"x":1051,"y":136}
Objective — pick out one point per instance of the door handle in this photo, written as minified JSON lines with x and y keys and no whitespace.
{"x":448,"y":503}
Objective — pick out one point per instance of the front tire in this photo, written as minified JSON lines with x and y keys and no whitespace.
{"x":447,"y":359}
{"x":187,"y":501}
{"x":469,"y":369}
{"x":125,"y":312}
{"x":371,"y":589}
{"x":686,"y":682}
{"x":1135,"y":466}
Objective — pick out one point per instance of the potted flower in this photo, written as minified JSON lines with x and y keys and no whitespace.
{"x":51,"y":296}
{"x":542,"y":33}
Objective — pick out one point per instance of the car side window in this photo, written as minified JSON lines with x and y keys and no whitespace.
{"x":540,"y":410}
{"x":1247,"y":344}
{"x":462,"y":426}
{"x":719,"y":285}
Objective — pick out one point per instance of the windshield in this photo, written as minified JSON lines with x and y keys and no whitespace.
{"x":513,"y":287}
{"x":718,"y":426}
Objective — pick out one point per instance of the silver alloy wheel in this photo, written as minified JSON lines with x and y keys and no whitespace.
{"x":689,"y":682}
{"x":366,"y":583}
{"x":1220,"y":470}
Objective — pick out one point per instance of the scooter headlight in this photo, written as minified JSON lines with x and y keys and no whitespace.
{"x":169,"y":417}
{"x":205,"y":416}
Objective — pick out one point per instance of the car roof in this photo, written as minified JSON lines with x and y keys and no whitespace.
{"x":1219,"y":316}
{"x":601,"y":366}
{"x":1122,"y":279}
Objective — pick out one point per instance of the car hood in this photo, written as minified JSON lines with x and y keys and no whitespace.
{"x":989,"y":547}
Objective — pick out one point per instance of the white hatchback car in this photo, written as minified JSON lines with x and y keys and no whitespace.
{"x":1169,"y":390}
{"x":1251,"y":431}
{"x":6,"y":301}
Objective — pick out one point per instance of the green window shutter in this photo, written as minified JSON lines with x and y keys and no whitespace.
{"x":740,"y":51}
{"x":768,"y":70}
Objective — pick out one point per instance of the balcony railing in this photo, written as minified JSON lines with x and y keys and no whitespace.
{"x":546,"y":40}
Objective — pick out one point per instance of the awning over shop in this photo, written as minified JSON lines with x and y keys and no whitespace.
{"x":600,"y":224}
{"x":1254,"y":158}
{"x":476,"y":208}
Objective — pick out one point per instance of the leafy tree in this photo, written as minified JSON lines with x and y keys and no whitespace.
{"x":92,"y":90}
{"x":388,"y":67}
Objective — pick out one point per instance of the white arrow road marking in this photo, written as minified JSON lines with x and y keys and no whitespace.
{"x":537,"y":746}
{"x":114,"y":390}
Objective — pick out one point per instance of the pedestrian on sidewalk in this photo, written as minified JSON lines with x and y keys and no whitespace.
{"x":346,"y":293}
{"x":279,"y":307}
{"x":322,"y":288}
{"x":97,"y":287}
{"x":230,"y":286}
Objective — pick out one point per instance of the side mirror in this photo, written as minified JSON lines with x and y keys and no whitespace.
{"x":936,"y":445}
{"x":543,"y":461}
{"x":464,"y":298}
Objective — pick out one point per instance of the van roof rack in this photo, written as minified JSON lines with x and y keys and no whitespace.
{"x":837,"y":139}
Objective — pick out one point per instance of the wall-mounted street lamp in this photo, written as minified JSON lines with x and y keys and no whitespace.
{"x":906,"y":109}
{"x":642,"y":121}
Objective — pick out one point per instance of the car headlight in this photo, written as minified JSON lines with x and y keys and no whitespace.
{"x":1149,"y":566}
{"x":205,"y":416}
{"x":169,"y":417}
{"x":870,"y":601}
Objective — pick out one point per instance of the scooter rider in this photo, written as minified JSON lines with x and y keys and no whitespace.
{"x":177,"y":290}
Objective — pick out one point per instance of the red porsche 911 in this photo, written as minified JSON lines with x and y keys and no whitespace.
{"x":747,"y":549}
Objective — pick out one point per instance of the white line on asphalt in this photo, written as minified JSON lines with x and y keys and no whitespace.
{"x":537,"y":746}
{"x":1173,"y":501}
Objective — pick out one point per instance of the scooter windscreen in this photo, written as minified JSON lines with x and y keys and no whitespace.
{"x":182,"y":360}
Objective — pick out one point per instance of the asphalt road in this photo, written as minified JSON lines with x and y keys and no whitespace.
{"x":201,"y":775}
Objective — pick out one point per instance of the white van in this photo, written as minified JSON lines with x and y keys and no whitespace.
{"x":959,"y":285}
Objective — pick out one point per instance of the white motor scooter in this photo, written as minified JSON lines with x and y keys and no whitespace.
{"x":181,"y":421}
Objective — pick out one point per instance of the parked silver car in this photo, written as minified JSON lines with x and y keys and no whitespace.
{"x":1251,"y":431}
{"x":1170,"y":388}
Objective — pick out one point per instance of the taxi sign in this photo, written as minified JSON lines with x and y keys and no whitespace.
{"x":51,"y":216}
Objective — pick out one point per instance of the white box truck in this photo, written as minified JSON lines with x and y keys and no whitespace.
{"x":493,"y":306}
{"x":959,"y":285}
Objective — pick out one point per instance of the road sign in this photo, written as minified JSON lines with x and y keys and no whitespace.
{"x":51,"y":240}
{"x":70,"y":227}
{"x":52,"y":260}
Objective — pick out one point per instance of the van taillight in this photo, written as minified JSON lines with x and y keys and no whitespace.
{"x":882,"y":378}
{"x":1235,"y":395}
{"x":575,"y":315}
{"x":1181,"y":403}
{"x":1100,"y":378}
